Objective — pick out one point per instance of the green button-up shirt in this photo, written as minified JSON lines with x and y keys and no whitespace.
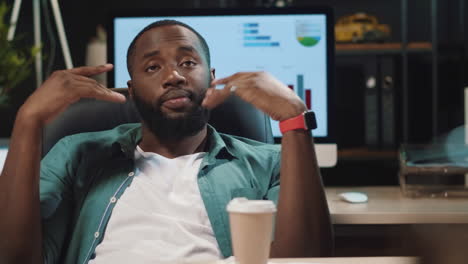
{"x":84,"y":175}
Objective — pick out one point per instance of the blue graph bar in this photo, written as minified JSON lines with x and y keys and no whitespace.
{"x":251,"y":25}
{"x":251,"y":31}
{"x":257,"y":38}
{"x":261,"y":44}
{"x":300,"y":86}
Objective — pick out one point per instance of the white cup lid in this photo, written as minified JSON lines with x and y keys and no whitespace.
{"x":243,"y":205}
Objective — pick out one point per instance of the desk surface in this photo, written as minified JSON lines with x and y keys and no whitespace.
{"x":387,"y":205}
{"x":341,"y":260}
{"x":354,"y":260}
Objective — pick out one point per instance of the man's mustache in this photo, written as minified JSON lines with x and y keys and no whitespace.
{"x":176,"y":93}
{"x":172,"y":93}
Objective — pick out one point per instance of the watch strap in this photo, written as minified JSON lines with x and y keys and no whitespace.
{"x":294,"y":123}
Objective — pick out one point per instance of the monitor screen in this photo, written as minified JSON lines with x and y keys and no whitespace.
{"x":294,"y":45}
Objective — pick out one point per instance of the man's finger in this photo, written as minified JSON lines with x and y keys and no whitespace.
{"x":89,"y":88}
{"x":215,"y":97}
{"x":119,"y":90}
{"x":91,"y":70}
{"x":225,"y":80}
{"x":110,"y":96}
{"x":102,"y":93}
{"x":220,"y":81}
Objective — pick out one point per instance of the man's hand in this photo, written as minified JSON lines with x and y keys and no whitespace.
{"x":65,"y":87}
{"x":260,"y":89}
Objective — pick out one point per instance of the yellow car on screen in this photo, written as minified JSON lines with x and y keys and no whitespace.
{"x":360,"y":27}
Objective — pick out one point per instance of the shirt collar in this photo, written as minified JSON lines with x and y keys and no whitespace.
{"x":216,"y":146}
{"x":127,"y":141}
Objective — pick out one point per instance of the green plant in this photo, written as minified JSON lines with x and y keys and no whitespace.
{"x":15,"y":59}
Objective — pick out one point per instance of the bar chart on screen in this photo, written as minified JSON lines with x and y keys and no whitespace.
{"x":304,"y":93}
{"x":253,"y":36}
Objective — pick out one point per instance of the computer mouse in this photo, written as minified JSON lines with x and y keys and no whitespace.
{"x":353,"y":197}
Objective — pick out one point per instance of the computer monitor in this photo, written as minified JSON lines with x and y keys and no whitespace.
{"x":296,"y":45}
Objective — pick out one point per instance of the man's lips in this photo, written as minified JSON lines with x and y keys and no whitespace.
{"x":176,"y":99}
{"x":176,"y":103}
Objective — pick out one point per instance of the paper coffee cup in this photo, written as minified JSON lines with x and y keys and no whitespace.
{"x":251,"y":223}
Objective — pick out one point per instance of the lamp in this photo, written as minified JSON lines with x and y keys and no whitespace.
{"x":37,"y":33}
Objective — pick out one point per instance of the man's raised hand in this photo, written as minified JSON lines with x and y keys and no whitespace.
{"x":260,"y":89}
{"x":65,"y":87}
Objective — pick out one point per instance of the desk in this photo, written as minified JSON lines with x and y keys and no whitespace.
{"x":345,"y":260}
{"x":387,"y":205}
{"x":354,"y":260}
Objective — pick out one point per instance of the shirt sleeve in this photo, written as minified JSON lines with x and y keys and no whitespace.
{"x":274,"y":186}
{"x":56,"y":200}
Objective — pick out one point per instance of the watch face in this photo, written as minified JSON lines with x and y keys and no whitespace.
{"x":310,"y":121}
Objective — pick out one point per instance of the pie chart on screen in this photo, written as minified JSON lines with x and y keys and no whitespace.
{"x":308,"y":33}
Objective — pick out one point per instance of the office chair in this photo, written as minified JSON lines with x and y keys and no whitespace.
{"x":234,"y":117}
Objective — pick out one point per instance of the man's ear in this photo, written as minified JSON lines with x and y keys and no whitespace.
{"x":130,"y":88}
{"x":212,"y":72}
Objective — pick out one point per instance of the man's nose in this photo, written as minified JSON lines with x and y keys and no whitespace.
{"x":173,"y":78}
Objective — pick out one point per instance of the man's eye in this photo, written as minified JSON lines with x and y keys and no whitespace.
{"x":188,"y":63}
{"x":152,"y":68}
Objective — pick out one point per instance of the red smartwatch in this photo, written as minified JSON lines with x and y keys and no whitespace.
{"x":304,"y":121}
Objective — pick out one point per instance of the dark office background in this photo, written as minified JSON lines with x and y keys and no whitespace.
{"x":365,"y":168}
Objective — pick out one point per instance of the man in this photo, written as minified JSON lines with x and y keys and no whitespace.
{"x":156,"y":192}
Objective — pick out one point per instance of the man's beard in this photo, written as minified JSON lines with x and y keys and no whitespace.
{"x":173,"y":128}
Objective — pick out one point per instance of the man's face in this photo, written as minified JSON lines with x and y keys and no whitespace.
{"x":169,"y":79}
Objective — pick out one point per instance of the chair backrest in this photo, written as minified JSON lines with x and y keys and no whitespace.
{"x":234,"y":117}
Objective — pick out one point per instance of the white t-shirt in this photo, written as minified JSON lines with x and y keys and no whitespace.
{"x":161,"y":216}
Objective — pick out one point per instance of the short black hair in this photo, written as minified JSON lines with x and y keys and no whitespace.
{"x":161,"y":23}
